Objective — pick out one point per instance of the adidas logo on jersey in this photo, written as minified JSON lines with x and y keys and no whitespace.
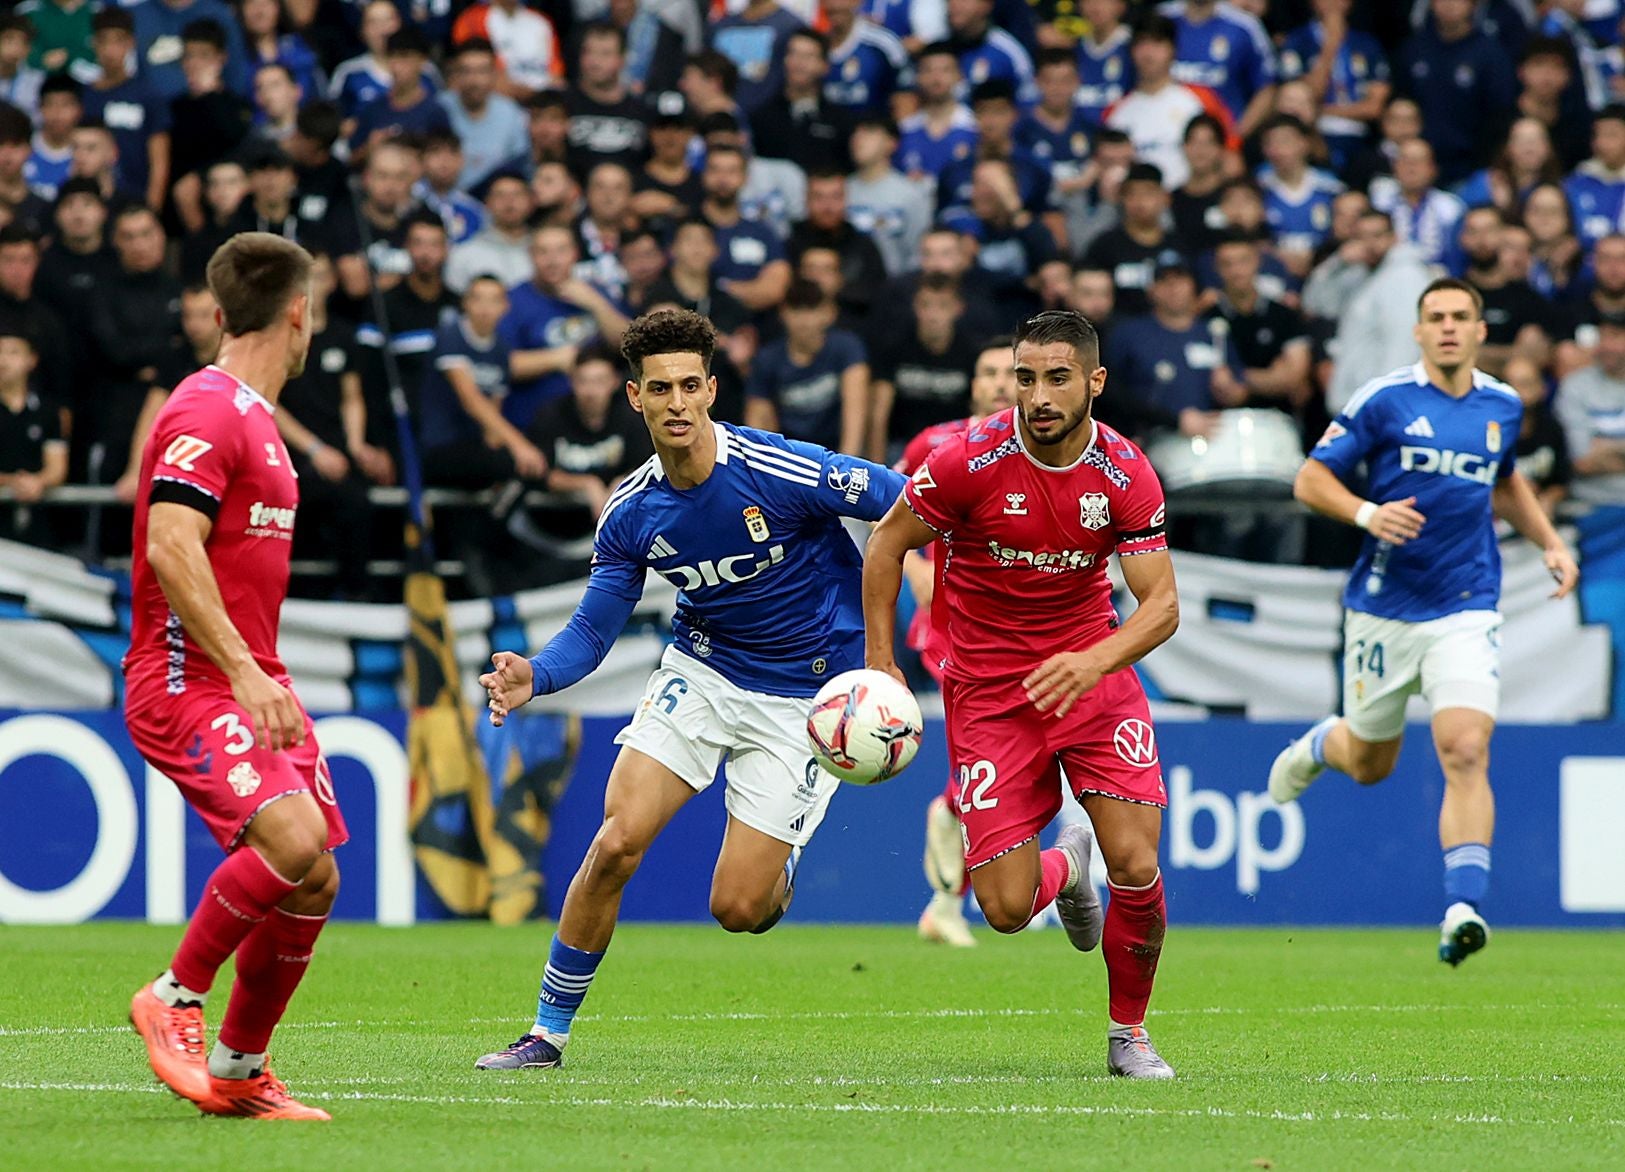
{"x":1420,"y":427}
{"x":661,"y":549}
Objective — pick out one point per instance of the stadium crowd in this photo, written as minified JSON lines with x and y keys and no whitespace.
{"x":1246,"y":198}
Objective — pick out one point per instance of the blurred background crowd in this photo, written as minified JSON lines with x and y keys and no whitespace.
{"x":1246,"y":198}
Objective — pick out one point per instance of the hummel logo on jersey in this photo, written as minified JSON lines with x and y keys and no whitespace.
{"x":661,"y":549}
{"x":1420,"y":427}
{"x":1015,"y":504}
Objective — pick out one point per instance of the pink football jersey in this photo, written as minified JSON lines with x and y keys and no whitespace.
{"x":1027,"y":544}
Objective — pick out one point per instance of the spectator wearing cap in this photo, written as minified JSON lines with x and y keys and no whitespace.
{"x":601,"y":226}
{"x":1271,"y":341}
{"x":1462,"y":82}
{"x":502,"y":245}
{"x":22,"y":311}
{"x":225,"y":189}
{"x":414,"y":311}
{"x":667,"y":187}
{"x":812,"y":384}
{"x":591,"y":437}
{"x":798,"y":123}
{"x":207,"y":121}
{"x":131,"y":109}
{"x":62,"y":36}
{"x":1423,"y":215}
{"x":440,"y":189}
{"x":1347,"y":68}
{"x":528,"y":51}
{"x":1016,"y":254}
{"x":491,"y":126}
{"x":1156,"y":111}
{"x":942,"y":130}
{"x":19,"y":81}
{"x":880,"y":202}
{"x":1142,"y":240}
{"x":993,"y":105}
{"x":1596,"y":189}
{"x":1225,"y":50}
{"x":51,"y":159}
{"x":863,"y":271}
{"x":409,"y":107}
{"x":754,"y":39}
{"x":322,"y":418}
{"x":161,"y":36}
{"x":1297,"y":197}
{"x":136,"y":329}
{"x":1590,"y":406}
{"x":751,"y":264}
{"x":1375,"y":333}
{"x":987,"y":52}
{"x":1171,"y":367}
{"x":549,"y":318}
{"x":33,"y":453}
{"x":324,"y":182}
{"x":277,"y":96}
{"x":607,"y":123}
{"x":16,"y":133}
{"x":78,"y":258}
{"x":268,"y":41}
{"x":366,"y":77}
{"x":868,"y":64}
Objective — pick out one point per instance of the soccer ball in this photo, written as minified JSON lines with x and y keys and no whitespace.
{"x":864,"y":727}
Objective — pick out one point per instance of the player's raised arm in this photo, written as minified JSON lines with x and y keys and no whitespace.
{"x":898,"y":533}
{"x":1515,"y":502}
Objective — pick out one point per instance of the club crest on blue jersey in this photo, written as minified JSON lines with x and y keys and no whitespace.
{"x":1492,"y":436}
{"x":756,"y":524}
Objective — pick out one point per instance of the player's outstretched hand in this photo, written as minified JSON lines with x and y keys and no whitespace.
{"x":890,"y":668}
{"x":1397,"y":522}
{"x":508,"y":685}
{"x":1060,"y":680}
{"x":273,"y":713}
{"x":1565,"y":572}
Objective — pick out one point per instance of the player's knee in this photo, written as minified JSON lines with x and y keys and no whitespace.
{"x":1006,"y":914}
{"x":318,"y":891}
{"x":736,"y":912}
{"x":1369,"y":768}
{"x":1464,"y":757}
{"x":1133,"y":872}
{"x":615,"y":855}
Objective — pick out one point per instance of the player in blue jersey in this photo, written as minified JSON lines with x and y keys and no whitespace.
{"x":747,"y":525}
{"x":1439,"y":441}
{"x":1105,"y":69}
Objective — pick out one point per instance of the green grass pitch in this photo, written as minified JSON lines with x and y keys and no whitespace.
{"x":841,"y":1047}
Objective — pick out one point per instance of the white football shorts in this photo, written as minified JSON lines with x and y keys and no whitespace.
{"x":692,"y":720}
{"x":1454,"y":662}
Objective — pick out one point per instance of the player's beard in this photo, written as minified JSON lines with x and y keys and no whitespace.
{"x":1071,"y":424}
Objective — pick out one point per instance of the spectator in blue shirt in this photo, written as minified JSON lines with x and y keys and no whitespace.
{"x":1596,"y":190}
{"x":1423,"y":215}
{"x":987,"y":52}
{"x":365,"y":77}
{"x":1462,"y":81}
{"x":993,"y":104}
{"x":268,"y":43}
{"x":409,"y":107}
{"x":1016,"y":254}
{"x":942,"y":130}
{"x":1105,"y":68}
{"x":548,"y":320}
{"x":465,"y":436}
{"x":751,"y":265}
{"x":867,"y":63}
{"x":1297,"y":197}
{"x":158,"y":27}
{"x":1227,"y":50}
{"x":441,"y":191}
{"x":137,"y":116}
{"x":51,"y":156}
{"x":492,"y":128}
{"x":813,"y":383}
{"x":1348,"y":71}
{"x":754,"y":41}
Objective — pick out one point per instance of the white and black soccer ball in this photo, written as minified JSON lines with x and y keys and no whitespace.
{"x":864,"y":727}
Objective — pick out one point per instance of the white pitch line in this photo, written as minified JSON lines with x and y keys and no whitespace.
{"x":667,"y":1103}
{"x":851,"y":1015}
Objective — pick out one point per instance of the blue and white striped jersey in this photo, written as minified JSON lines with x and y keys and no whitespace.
{"x":768,"y":580}
{"x":1418,"y":441}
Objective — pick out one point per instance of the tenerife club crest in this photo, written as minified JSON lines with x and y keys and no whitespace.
{"x":1093,"y":510}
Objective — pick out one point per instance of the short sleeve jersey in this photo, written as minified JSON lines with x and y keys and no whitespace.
{"x":215,"y":448}
{"x":1027,"y":544}
{"x":1418,"y":441}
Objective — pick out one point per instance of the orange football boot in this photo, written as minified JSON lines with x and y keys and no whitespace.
{"x":262,"y":1097}
{"x":174,"y":1039}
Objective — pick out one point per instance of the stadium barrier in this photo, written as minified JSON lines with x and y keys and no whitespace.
{"x":87,"y":831}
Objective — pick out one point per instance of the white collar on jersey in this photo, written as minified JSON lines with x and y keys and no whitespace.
{"x":244,"y":389}
{"x":722,"y":450}
{"x":1094,"y":436}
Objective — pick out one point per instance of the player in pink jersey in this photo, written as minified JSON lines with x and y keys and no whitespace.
{"x":208,"y":702}
{"x":992,"y":388}
{"x":1030,"y":503}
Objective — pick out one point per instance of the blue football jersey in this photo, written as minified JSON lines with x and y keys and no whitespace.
{"x":1105,"y":73}
{"x":1418,"y":441}
{"x":768,"y":579}
{"x":1300,"y":217}
{"x":1229,"y":53}
{"x":920,"y":154}
{"x":866,"y":69}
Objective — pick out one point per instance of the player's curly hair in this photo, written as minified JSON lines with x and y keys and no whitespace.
{"x":668,"y":331}
{"x":1063,"y":325}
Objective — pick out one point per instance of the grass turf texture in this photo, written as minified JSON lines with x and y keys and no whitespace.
{"x":838,"y":1047}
